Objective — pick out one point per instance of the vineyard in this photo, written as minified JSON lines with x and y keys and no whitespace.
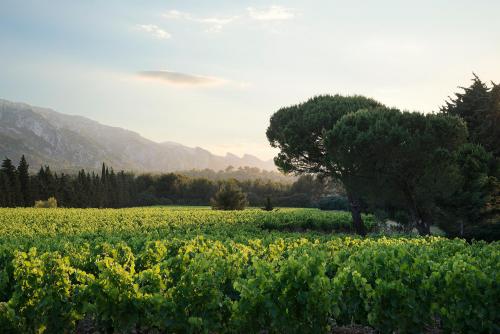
{"x":187,"y":270}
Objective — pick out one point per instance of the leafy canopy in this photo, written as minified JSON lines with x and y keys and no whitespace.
{"x":299,"y":130}
{"x":401,"y":158}
{"x":479,"y":106}
{"x":229,"y":197}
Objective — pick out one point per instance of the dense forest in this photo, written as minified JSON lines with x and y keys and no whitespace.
{"x":110,"y":189}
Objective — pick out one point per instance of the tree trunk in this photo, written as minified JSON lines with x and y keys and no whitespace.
{"x":423,"y":228}
{"x":357,"y":221}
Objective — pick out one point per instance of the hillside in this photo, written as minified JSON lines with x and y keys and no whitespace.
{"x":68,"y":142}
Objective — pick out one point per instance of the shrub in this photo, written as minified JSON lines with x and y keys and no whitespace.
{"x":334,"y":203}
{"x":50,"y":203}
{"x":484,"y":231}
{"x":268,"y":206}
{"x":229,"y":197}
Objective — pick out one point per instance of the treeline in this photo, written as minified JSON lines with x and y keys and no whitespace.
{"x":240,"y":174}
{"x":418,"y":169}
{"x":110,"y":189}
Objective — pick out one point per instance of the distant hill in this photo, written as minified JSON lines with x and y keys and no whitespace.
{"x":67,"y":142}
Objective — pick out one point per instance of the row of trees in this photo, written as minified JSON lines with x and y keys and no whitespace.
{"x":114,"y":190}
{"x":425,"y":169}
{"x":240,"y":174}
{"x":19,"y":188}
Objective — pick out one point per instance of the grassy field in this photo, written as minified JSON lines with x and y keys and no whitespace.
{"x":195,"y":270}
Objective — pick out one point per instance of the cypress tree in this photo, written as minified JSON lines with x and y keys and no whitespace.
{"x":46,"y":183}
{"x":24,"y":181}
{"x":64,"y":191}
{"x":40,"y":192}
{"x":13,"y":195}
{"x":80,"y":189}
{"x":103,"y":173}
{"x":3,"y":189}
{"x":51,"y":182}
{"x":87,"y":190}
{"x":112,"y":190}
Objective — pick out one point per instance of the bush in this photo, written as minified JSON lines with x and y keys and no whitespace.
{"x":229,"y":197}
{"x":485,"y":231}
{"x":334,"y":203}
{"x":296,"y":200}
{"x":268,"y":206}
{"x":50,"y":203}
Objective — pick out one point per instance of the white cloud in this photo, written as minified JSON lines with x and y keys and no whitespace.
{"x":214,"y":23}
{"x":272,"y":13}
{"x":180,"y":79}
{"x":175,"y":14}
{"x":191,"y":80}
{"x":217,"y":23}
{"x":154,"y":30}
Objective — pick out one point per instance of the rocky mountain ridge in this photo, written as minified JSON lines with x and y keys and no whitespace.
{"x":69,"y":142}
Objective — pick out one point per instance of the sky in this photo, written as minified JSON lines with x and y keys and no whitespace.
{"x":211,"y":73}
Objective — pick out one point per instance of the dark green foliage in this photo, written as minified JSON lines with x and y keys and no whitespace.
{"x":405,"y":159}
{"x":4,"y":187}
{"x":229,"y":197}
{"x":299,"y":132}
{"x":268,"y":206}
{"x":45,"y":184}
{"x":465,"y":208}
{"x":479,"y":106}
{"x":24,"y":182}
{"x":324,"y":221}
{"x":490,"y":132}
{"x":334,"y":203}
{"x":111,"y":189}
{"x":299,"y":200}
{"x":312,"y":186}
{"x":492,"y":208}
{"x":10,"y":187}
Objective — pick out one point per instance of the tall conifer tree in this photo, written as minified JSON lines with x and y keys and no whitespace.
{"x":11,"y":183}
{"x":479,"y":106}
{"x":24,"y":181}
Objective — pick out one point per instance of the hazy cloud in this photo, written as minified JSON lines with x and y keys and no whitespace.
{"x":154,"y":30}
{"x":181,"y":79}
{"x":213,"y":23}
{"x":217,"y":23}
{"x":272,"y":13}
{"x":175,"y":14}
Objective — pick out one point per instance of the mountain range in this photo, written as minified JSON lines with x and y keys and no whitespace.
{"x":69,"y":142}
